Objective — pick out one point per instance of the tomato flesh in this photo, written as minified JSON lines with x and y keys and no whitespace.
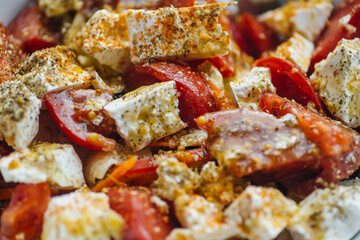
{"x":144,"y":221}
{"x":257,"y":37}
{"x":71,"y":112}
{"x":29,"y":27}
{"x":25,"y":211}
{"x":339,"y":151}
{"x":195,"y":97}
{"x":290,"y":81}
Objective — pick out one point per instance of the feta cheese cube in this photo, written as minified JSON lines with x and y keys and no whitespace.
{"x":337,"y":80}
{"x":328,"y":214}
{"x":19,"y":114}
{"x":297,"y":50}
{"x":175,"y":178}
{"x":249,"y":88}
{"x":105,"y":38}
{"x":56,"y":163}
{"x":77,"y":216}
{"x":52,"y":69}
{"x":59,"y":7}
{"x":186,"y":33}
{"x":147,"y":114}
{"x":307,"y":18}
{"x":260,"y":213}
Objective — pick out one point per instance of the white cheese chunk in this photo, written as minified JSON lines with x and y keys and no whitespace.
{"x":307,"y":18}
{"x":147,"y":114}
{"x":59,"y":7}
{"x":337,"y":80}
{"x":297,"y":50}
{"x":105,"y":38}
{"x":249,"y":88}
{"x":19,"y":114}
{"x":260,"y":213}
{"x":81,"y":216}
{"x":201,"y":219}
{"x":56,"y":163}
{"x":99,"y":163}
{"x":174,"y":178}
{"x":52,"y":69}
{"x":328,"y":214}
{"x":186,"y":33}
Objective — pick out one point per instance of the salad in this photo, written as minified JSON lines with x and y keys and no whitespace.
{"x":180,"y":119}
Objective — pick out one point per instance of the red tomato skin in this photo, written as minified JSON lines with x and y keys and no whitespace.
{"x":61,"y":108}
{"x":195,"y":98}
{"x":142,"y":173}
{"x":225,"y":64}
{"x":144,"y":221}
{"x":335,"y":31}
{"x":11,"y":55}
{"x":257,"y":36}
{"x":290,"y":81}
{"x":338,"y":145}
{"x":26,"y":211}
{"x":29,"y":27}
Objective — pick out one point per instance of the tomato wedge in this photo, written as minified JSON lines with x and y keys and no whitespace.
{"x":144,"y":221}
{"x":257,"y":36}
{"x":195,"y":97}
{"x":339,"y":151}
{"x":72,"y":110}
{"x":290,"y":81}
{"x":25,"y":211}
{"x":337,"y":30}
{"x":30,"y":28}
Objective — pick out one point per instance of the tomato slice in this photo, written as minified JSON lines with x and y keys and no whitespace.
{"x":72,"y":110}
{"x":144,"y":221}
{"x":142,"y":173}
{"x":195,"y":97}
{"x":336,"y":30}
{"x":30,"y":28}
{"x":10,"y":55}
{"x":257,"y":36}
{"x":290,"y":81}
{"x":25,"y":211}
{"x":338,"y":145}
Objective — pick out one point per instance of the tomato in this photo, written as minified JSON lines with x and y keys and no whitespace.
{"x":257,"y":36}
{"x":25,"y":211}
{"x":144,"y":221}
{"x":195,"y":98}
{"x":290,"y":81}
{"x":72,"y":110}
{"x":142,"y":173}
{"x":251,"y":144}
{"x":336,"y":30}
{"x":30,"y":28}
{"x":10,"y":55}
{"x":177,"y":3}
{"x":339,"y":152}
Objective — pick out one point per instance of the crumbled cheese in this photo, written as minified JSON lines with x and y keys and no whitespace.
{"x":186,"y":33}
{"x":105,"y":38}
{"x":307,"y":18}
{"x":59,"y":7}
{"x":56,"y":163}
{"x":297,"y":50}
{"x":19,"y":114}
{"x":147,"y":114}
{"x":99,"y":163}
{"x":174,"y":178}
{"x":212,"y":73}
{"x":337,"y":80}
{"x":328,"y":214}
{"x":260,"y":213}
{"x":249,"y":89}
{"x":77,"y":216}
{"x":52,"y":69}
